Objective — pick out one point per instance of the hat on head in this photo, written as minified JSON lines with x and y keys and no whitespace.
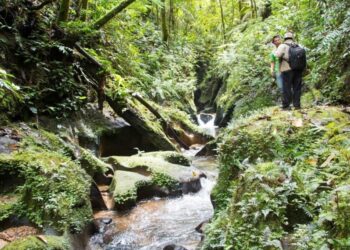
{"x":288,"y":35}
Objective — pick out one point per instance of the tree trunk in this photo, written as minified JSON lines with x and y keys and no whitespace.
{"x":164,"y":25}
{"x":84,"y":8}
{"x":171,"y":16}
{"x":240,"y":8}
{"x":233,"y":10}
{"x":111,"y":14}
{"x":253,"y":8}
{"x":222,"y":20}
{"x":64,"y":10}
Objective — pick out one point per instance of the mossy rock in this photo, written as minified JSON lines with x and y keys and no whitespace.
{"x":34,"y":243}
{"x":170,"y":156}
{"x":283,"y":173}
{"x":55,"y":191}
{"x":150,"y":174}
{"x":7,"y":205}
{"x":151,"y":164}
{"x":91,"y":163}
{"x":125,"y":185}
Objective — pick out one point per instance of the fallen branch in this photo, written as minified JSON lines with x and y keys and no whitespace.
{"x":111,"y":14}
{"x":87,"y":55}
{"x":166,"y":127}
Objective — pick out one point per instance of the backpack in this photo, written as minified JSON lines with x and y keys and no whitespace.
{"x":297,"y":57}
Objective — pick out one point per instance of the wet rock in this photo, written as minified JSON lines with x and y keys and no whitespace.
{"x":200,"y":228}
{"x":107,"y":221}
{"x":205,"y":117}
{"x":208,"y":150}
{"x":174,"y":247}
{"x":97,"y":202}
{"x":9,"y":140}
{"x":191,"y":186}
{"x":109,"y":234}
{"x":14,"y":233}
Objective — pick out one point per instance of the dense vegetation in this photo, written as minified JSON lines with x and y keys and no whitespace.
{"x":287,"y":173}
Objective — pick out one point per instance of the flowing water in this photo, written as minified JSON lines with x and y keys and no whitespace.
{"x":156,"y":223}
{"x":207,"y":123}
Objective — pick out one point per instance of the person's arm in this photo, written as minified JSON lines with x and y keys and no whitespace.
{"x":280,"y":51}
{"x":272,"y":69}
{"x":272,"y":61}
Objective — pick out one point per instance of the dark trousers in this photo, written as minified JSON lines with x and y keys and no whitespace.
{"x":291,"y":88}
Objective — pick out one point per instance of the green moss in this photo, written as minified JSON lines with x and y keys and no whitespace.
{"x":125,"y":184}
{"x":148,"y":169}
{"x":33,"y":243}
{"x":37,"y":140}
{"x":170,"y":156}
{"x":91,"y":163}
{"x":151,"y":164}
{"x":55,"y":191}
{"x":162,"y":180}
{"x":7,"y":206}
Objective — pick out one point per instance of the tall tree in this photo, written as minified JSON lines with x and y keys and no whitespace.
{"x":164,"y":25}
{"x":253,"y":8}
{"x":84,"y":8}
{"x":171,"y":17}
{"x":63,"y":11}
{"x":222,"y":20}
{"x":233,"y":10}
{"x":240,"y":9}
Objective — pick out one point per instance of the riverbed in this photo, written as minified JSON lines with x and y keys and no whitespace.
{"x":158,"y":222}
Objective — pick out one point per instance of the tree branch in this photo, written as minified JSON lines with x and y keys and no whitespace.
{"x":42,"y":5}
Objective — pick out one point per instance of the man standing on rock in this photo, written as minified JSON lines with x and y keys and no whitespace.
{"x":293,"y":62}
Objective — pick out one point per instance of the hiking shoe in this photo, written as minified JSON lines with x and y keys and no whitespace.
{"x":286,"y":108}
{"x":297,"y":108}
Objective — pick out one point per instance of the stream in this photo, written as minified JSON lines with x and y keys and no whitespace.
{"x":156,"y":223}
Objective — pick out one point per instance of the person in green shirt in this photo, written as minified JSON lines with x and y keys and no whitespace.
{"x":275,"y":63}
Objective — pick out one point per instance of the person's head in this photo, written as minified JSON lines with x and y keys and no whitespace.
{"x":276,"y":40}
{"x":288,"y":36}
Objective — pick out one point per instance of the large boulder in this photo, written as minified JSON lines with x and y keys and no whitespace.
{"x":151,"y":174}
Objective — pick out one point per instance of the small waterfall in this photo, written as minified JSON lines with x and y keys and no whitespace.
{"x":206,"y":122}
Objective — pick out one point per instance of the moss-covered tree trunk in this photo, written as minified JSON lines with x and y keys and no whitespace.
{"x":130,"y":113}
{"x":111,"y":14}
{"x":64,"y":10}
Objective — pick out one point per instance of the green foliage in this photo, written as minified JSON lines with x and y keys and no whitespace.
{"x":283,"y":178}
{"x":321,"y":27}
{"x":163,"y":180}
{"x":55,"y":191}
{"x":50,"y":188}
{"x":10,"y":95}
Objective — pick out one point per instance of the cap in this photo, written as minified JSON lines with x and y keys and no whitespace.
{"x":288,"y":35}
